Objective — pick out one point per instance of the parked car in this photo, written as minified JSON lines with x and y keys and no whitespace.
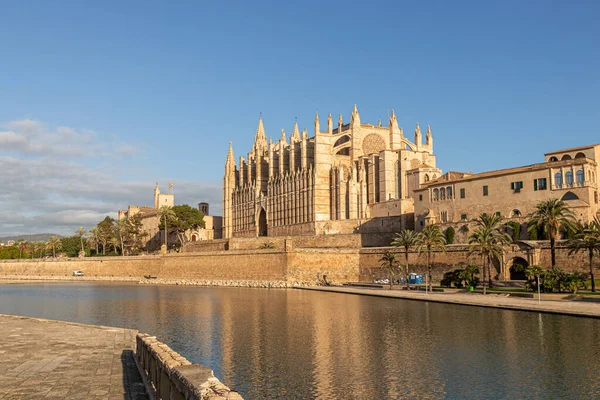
{"x":77,"y":273}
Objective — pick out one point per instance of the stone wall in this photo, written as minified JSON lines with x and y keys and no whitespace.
{"x":175,"y":378}
{"x":338,"y":257}
{"x":223,"y":265}
{"x":340,"y":265}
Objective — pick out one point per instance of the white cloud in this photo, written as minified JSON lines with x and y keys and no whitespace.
{"x":48,"y":184}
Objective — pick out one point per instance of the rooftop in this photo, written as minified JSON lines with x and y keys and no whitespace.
{"x":572,"y":149}
{"x":488,"y":174}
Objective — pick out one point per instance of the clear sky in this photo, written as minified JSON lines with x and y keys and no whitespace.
{"x":99,"y":100}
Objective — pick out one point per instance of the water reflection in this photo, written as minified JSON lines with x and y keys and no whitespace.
{"x":298,"y":344}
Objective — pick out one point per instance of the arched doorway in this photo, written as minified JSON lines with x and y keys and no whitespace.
{"x":517,"y":269}
{"x":194,"y":237}
{"x":262,"y":223}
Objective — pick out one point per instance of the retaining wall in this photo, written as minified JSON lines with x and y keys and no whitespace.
{"x":287,"y":263}
{"x":173,"y":377}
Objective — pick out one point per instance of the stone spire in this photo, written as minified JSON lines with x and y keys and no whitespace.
{"x":429,"y":137}
{"x":393,"y":123}
{"x":260,"y":139}
{"x":355,"y":118}
{"x":395,"y":132}
{"x":340,"y":123}
{"x":317,"y":124}
{"x":295,"y":134}
{"x":230,"y":158}
{"x":329,"y":124}
{"x":283,"y":139}
{"x":418,"y":136}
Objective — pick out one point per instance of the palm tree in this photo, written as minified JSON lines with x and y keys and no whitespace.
{"x":166,"y":213}
{"x":93,"y":238}
{"x":406,"y":239}
{"x":54,"y":243}
{"x":42,"y":247}
{"x":388,"y":261}
{"x":552,"y":216}
{"x":587,"y":239}
{"x":30,"y":248}
{"x":81,"y":233}
{"x":22,"y":245}
{"x":114,"y":242}
{"x":491,"y":238}
{"x":431,"y":238}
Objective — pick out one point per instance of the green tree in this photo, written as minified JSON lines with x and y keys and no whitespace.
{"x":9,"y":253}
{"x":166,"y":215}
{"x":587,"y":239}
{"x":54,"y":243}
{"x":121,"y":232}
{"x":406,"y":239}
{"x":431,"y":238}
{"x":134,"y":234}
{"x":515,"y":227}
{"x":71,"y":246}
{"x":186,"y":219}
{"x":489,"y":241}
{"x":552,"y":216}
{"x":105,"y":232}
{"x":388,"y":262}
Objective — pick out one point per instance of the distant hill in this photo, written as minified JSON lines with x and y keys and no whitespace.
{"x":30,"y":238}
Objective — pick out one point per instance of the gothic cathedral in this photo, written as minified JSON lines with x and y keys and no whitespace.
{"x":338,"y":181}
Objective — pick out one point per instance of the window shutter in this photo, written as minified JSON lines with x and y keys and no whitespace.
{"x":535,"y":187}
{"x":512,"y":186}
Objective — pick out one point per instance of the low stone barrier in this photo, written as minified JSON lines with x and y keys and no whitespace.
{"x":173,"y":377}
{"x":226,"y":283}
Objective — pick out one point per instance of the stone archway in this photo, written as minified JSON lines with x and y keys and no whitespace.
{"x":516,"y":268}
{"x":262,"y":223}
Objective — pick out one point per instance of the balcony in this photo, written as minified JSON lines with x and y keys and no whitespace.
{"x":574,"y":185}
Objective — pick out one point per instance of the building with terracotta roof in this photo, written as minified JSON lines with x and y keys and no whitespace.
{"x":569,"y":175}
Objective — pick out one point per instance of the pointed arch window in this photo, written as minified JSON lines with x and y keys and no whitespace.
{"x":442,"y":194}
{"x":436,"y":195}
{"x":449,"y":192}
{"x":579,"y":177}
{"x":569,"y":179}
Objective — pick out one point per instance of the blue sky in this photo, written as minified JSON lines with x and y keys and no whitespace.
{"x":140,"y":92}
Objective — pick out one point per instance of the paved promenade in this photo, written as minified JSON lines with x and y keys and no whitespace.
{"x":577,"y":308}
{"x":43,"y":359}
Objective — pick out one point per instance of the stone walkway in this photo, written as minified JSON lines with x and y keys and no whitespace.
{"x":43,"y":359}
{"x":577,"y":308}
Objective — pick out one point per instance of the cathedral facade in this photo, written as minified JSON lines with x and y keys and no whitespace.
{"x":345,"y":179}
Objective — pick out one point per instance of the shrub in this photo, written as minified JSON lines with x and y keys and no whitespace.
{"x":450,"y":233}
{"x":455,"y":278}
{"x":267,"y":245}
{"x":557,"y":280}
{"x":468,"y":275}
{"x":464,"y":229}
{"x":447,"y":279}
